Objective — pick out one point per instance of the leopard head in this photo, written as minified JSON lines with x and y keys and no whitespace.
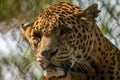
{"x":59,"y":37}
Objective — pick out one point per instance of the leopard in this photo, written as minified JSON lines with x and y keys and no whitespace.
{"x":69,"y":45}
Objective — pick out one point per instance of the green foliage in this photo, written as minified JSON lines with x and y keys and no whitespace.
{"x":22,"y":9}
{"x":105,"y":30}
{"x":8,"y":9}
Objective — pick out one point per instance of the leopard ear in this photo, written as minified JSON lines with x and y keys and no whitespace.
{"x":91,"y":12}
{"x":26,"y":30}
{"x":23,"y":27}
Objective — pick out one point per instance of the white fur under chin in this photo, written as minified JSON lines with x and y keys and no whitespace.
{"x":53,"y":72}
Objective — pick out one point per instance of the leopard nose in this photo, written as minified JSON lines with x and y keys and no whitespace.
{"x":49,"y":52}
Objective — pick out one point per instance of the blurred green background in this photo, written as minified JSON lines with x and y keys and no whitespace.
{"x":17,"y":61}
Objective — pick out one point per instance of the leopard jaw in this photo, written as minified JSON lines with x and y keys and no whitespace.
{"x":53,"y":72}
{"x":50,"y":70}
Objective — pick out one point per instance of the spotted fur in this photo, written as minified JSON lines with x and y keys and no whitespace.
{"x":69,"y":45}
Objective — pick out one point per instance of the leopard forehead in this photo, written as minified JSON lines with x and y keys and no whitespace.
{"x":56,"y":16}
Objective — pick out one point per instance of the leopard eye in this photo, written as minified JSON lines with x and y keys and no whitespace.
{"x":37,"y":35}
{"x":64,"y":31}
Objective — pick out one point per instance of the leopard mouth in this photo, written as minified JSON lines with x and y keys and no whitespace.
{"x":51,"y":70}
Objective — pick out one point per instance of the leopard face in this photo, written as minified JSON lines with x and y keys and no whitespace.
{"x":64,"y":38}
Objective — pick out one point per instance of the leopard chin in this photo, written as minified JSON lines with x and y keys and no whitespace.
{"x":52,"y":72}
